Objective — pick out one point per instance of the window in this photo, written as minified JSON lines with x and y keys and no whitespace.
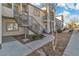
{"x":12,"y":26}
{"x":51,"y":15}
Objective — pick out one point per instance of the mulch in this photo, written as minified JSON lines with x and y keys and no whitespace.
{"x":62,"y":41}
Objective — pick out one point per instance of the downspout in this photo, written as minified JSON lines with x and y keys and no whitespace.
{"x":12,"y":9}
{"x":0,"y":25}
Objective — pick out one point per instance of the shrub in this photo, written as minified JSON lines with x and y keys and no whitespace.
{"x":64,"y":29}
{"x":70,"y":30}
{"x":37,"y":37}
{"x":59,"y":30}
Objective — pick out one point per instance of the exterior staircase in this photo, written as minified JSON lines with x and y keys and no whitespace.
{"x":27,"y":22}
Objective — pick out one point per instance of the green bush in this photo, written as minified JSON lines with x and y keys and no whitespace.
{"x":70,"y":30}
{"x":37,"y":37}
{"x":59,"y":30}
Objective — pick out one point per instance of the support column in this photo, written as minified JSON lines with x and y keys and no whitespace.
{"x":20,"y":6}
{"x":62,"y":21}
{"x":55,"y":40}
{"x":54,"y":23}
{"x":48,"y":18}
{"x":12,"y":9}
{"x":0,"y":25}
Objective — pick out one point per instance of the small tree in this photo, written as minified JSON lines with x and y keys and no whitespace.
{"x":72,"y":24}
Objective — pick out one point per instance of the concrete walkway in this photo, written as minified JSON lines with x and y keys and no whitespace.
{"x":72,"y":48}
{"x":15,"y":48}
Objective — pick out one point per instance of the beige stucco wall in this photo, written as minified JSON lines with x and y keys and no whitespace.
{"x":7,"y":33}
{"x":21,"y":30}
{"x":7,"y":11}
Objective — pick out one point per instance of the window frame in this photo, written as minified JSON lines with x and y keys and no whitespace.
{"x":7,"y":23}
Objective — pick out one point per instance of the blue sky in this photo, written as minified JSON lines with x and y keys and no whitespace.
{"x":71,"y":8}
{"x":70,"y":11}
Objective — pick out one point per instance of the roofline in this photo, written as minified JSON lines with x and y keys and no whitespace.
{"x":59,"y":15}
{"x":35,"y":7}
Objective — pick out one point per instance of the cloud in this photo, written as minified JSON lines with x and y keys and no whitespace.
{"x":71,"y":17}
{"x":65,"y":13}
{"x":62,"y":5}
{"x":67,"y":6}
{"x":70,"y":5}
{"x":74,"y":18}
{"x":77,"y":7}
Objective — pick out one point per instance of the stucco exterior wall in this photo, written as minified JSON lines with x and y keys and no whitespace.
{"x":7,"y":33}
{"x":7,"y":11}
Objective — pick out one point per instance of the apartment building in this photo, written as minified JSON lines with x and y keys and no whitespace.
{"x":10,"y":27}
{"x":9,"y":24}
{"x":17,"y":16}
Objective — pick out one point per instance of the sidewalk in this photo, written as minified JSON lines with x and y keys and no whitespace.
{"x":15,"y":48}
{"x":72,"y":48}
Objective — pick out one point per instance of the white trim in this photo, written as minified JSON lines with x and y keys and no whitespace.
{"x":48,"y":19}
{"x":0,"y":23}
{"x":12,"y":9}
{"x":21,"y":6}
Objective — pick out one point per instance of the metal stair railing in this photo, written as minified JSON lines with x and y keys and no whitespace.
{"x":27,"y":22}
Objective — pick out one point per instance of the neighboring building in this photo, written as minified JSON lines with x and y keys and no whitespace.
{"x":49,"y":20}
{"x":59,"y":22}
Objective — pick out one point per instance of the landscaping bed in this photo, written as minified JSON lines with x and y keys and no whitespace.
{"x":62,"y":41}
{"x":29,"y":37}
{"x":35,"y":37}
